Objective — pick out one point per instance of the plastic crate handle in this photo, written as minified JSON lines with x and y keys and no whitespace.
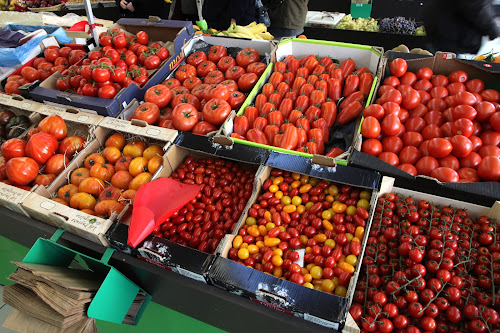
{"x":105,"y":257}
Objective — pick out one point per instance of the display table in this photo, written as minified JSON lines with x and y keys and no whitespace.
{"x":170,"y":290}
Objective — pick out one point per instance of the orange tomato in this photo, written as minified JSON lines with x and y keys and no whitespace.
{"x":91,"y":185}
{"x":151,"y":151}
{"x":116,"y":140}
{"x":61,"y":201}
{"x":138,"y":165}
{"x":127,"y":197}
{"x":110,"y":193}
{"x":78,"y":175}
{"x":88,"y":211}
{"x":106,"y":208}
{"x":102,"y":171}
{"x":155,"y":163}
{"x":140,"y":180}
{"x":56,"y":164}
{"x":93,"y":159}
{"x":67,"y":191}
{"x":44,"y":180}
{"x":111,"y":154}
{"x":121,"y":179}
{"x":134,"y":148}
{"x":82,"y":200}
{"x":123,"y":163}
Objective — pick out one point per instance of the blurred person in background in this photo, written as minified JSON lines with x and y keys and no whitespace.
{"x":287,"y":17}
{"x":218,"y":13}
{"x":143,"y":8}
{"x":459,"y":25}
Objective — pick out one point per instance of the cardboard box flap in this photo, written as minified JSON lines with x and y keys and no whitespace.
{"x":281,"y":293}
{"x":153,"y":132}
{"x":220,"y":147}
{"x":338,"y":173}
{"x":19,"y":102}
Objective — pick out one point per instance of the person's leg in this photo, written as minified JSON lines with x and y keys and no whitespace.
{"x":279,"y":33}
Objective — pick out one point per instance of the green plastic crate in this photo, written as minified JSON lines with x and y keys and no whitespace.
{"x":116,"y":294}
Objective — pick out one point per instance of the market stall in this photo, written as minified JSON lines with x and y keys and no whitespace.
{"x":308,"y":184}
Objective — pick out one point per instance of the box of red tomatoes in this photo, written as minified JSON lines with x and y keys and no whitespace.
{"x":310,"y":102}
{"x":429,"y":276}
{"x":94,"y":190}
{"x":186,"y":242}
{"x":45,"y":147}
{"x":435,"y":123}
{"x":299,"y":246}
{"x":154,"y":49}
{"x":216,"y":77}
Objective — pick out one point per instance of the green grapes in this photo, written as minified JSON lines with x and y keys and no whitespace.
{"x":361,"y":24}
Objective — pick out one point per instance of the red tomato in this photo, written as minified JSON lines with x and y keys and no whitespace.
{"x":234,"y":73}
{"x":241,"y":125}
{"x":350,"y":112}
{"x":375,"y":111}
{"x":458,"y":76}
{"x":410,"y":99}
{"x":390,"y":96}
{"x":13,"y":148}
{"x":54,"y":125}
{"x":426,"y":164}
{"x":41,"y":147}
{"x":236,"y":100}
{"x":465,"y":98}
{"x":152,"y":62}
{"x":484,"y":111}
{"x":423,"y":84}
{"x":392,"y":144}
{"x":408,"y":78}
{"x":439,"y":147}
{"x":391,"y":125}
{"x":449,"y":161}
{"x":148,"y":112}
{"x":398,"y":67}
{"x":256,"y":135}
{"x":424,"y":73}
{"x":184,"y":117}
{"x":409,"y":155}
{"x":372,"y":147}
{"x":408,"y":168}
{"x":107,"y":91}
{"x":468,"y":174}
{"x":185,"y":98}
{"x":475,"y":86}
{"x":21,"y":170}
{"x":196,"y":58}
{"x":142,"y":37}
{"x":214,"y":77}
{"x":185,"y":72}
{"x":431,"y":132}
{"x":247,"y":81}
{"x":411,"y":138}
{"x":495,"y":121}
{"x":389,"y":158}
{"x":203,"y":128}
{"x":257,"y":68}
{"x":463,"y":111}
{"x":216,"y":52}
{"x":247,"y":56}
{"x":216,"y":111}
{"x":159,"y":95}
{"x":440,"y":81}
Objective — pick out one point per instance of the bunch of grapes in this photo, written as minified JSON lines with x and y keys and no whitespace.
{"x":398,"y":25}
{"x":361,"y":24}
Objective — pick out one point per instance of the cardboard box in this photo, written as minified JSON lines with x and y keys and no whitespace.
{"x":442,"y":63}
{"x":322,"y":308}
{"x":363,"y":55}
{"x":40,"y":206}
{"x":165,"y":253}
{"x":178,"y":32}
{"x":11,"y":196}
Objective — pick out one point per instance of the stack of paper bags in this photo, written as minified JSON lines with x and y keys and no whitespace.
{"x":50,"y":299}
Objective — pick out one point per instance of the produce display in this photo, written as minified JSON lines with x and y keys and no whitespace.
{"x":42,"y":3}
{"x":203,"y":91}
{"x":12,"y":125}
{"x":447,"y":128}
{"x":294,"y":212}
{"x":109,"y":180}
{"x":361,"y":24}
{"x":201,"y":224}
{"x":41,"y":156}
{"x":55,"y":59}
{"x":398,"y":25}
{"x":297,"y":107}
{"x":428,"y":268}
{"x":123,"y":60}
{"x":489,"y":57}
{"x":404,"y":49}
{"x":253,"y":30}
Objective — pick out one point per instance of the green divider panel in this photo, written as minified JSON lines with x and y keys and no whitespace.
{"x":11,"y":251}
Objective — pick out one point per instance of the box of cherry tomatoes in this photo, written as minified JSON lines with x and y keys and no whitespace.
{"x":135,"y":55}
{"x":312,"y":99}
{"x":38,"y":146}
{"x":216,"y":77}
{"x":94,"y":190}
{"x":299,"y":245}
{"x":438,"y":118}
{"x":186,"y":241}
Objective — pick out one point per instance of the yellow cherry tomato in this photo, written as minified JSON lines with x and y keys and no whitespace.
{"x":333,"y":190}
{"x":243,"y":254}
{"x":303,"y":239}
{"x":327,"y":225}
{"x":355,"y":239}
{"x":305,"y":188}
{"x":327,"y":214}
{"x":244,"y":246}
{"x":267,"y":216}
{"x":277,"y":260}
{"x":308,"y":250}
{"x":278,"y":252}
{"x":296,"y":184}
{"x":262,"y":230}
{"x":260,"y":244}
{"x":270,"y":226}
{"x":278,"y":195}
{"x":317,"y":272}
{"x":253,"y":231}
{"x":308,"y":277}
{"x":351,"y":210}
{"x":251,"y":221}
{"x":330,"y":243}
{"x":349,"y":237}
{"x":359,"y":233}
{"x":301,"y":209}
{"x":237,"y":241}
{"x":282,"y":228}
{"x":289,"y":208}
{"x":341,"y":291}
{"x":286,"y":200}
{"x":365,"y":195}
{"x":309,"y":205}
{"x":351,"y":260}
{"x":278,"y":180}
{"x":346,"y":267}
{"x":339,"y":208}
{"x":363,"y":203}
{"x":308,"y":285}
{"x":329,"y":198}
{"x":296,"y":200}
{"x":253,"y":249}
{"x":273,"y":188}
{"x":320,"y":238}
{"x":272,"y":241}
{"x":278,"y":272}
{"x":310,"y":266}
{"x":327,"y":285}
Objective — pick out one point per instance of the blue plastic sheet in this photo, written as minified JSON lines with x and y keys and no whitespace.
{"x":14,"y":56}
